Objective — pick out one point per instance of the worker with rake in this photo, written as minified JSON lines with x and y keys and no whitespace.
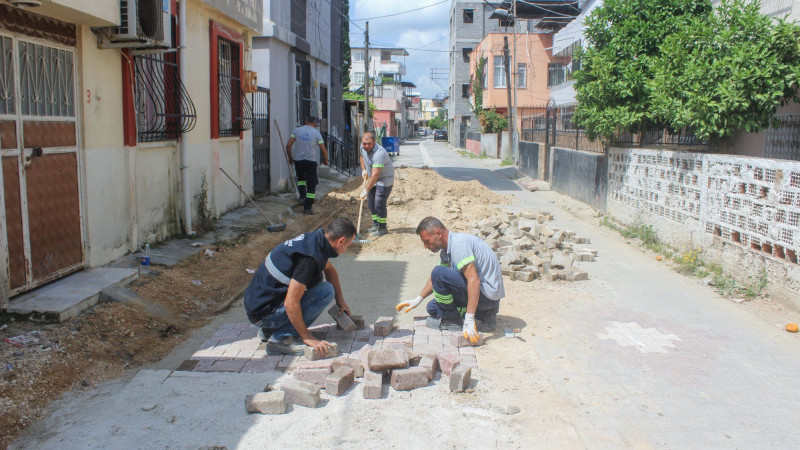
{"x":378,"y":173}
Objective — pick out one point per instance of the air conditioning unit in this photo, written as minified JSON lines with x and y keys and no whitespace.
{"x":143,"y":24}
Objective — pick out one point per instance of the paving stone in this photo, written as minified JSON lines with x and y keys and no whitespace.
{"x":353,"y":363}
{"x":339,"y":381}
{"x":584,"y":256}
{"x":319,"y":364}
{"x":187,"y":365}
{"x":466,"y":351}
{"x":312,"y":355}
{"x":561,"y":261}
{"x":430,"y":364}
{"x":315,"y":376}
{"x":301,"y":393}
{"x":227,"y":365}
{"x":459,"y":378}
{"x":383,"y":326}
{"x":359,"y":321}
{"x":448,"y":361}
{"x":577,"y":275}
{"x":342,"y":320}
{"x":410,"y":378}
{"x":379,"y":360}
{"x":460,"y":341}
{"x":414,"y":357}
{"x":288,"y":362}
{"x":259,"y":366}
{"x":372,"y":384}
{"x":273,"y":402}
{"x":204,"y":365}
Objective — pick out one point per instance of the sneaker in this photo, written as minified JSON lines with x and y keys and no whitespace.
{"x":487,"y":323}
{"x":372,"y":229}
{"x":264,"y":333}
{"x":381,"y":231}
{"x":433,"y":323}
{"x":442,"y":324}
{"x":308,"y":212}
{"x":287,"y":346}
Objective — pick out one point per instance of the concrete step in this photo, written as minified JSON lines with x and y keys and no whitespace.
{"x":69,"y":296}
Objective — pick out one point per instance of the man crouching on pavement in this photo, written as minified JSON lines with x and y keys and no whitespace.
{"x":287,"y":293}
{"x":468,"y":283}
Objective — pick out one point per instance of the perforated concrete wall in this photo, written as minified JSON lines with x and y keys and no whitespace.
{"x":701,"y":199}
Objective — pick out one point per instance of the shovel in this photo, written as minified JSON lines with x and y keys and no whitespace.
{"x":359,"y":239}
{"x":273,"y":228}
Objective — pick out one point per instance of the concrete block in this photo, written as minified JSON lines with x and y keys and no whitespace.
{"x":379,"y":360}
{"x":430,"y":364}
{"x":373,"y":384}
{"x":460,"y":341}
{"x":316,"y":376}
{"x":383,"y":326}
{"x":561,"y":261}
{"x":459,"y":378}
{"x":301,"y":393}
{"x":342,"y":320}
{"x":577,"y":275}
{"x":359,"y":321}
{"x":447,"y":362}
{"x":414,"y":357}
{"x":339,"y":381}
{"x":584,"y":256}
{"x":408,"y":379}
{"x":312,"y":355}
{"x":273,"y":402}
{"x":523,"y":275}
{"x":353,"y":363}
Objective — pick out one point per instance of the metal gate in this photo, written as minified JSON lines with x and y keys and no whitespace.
{"x":38,"y":149}
{"x":261,"y":141}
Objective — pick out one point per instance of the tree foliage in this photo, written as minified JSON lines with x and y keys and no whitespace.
{"x":438,"y":122}
{"x":477,"y":87}
{"x":492,"y":122}
{"x":726,"y":71}
{"x":624,"y":38}
{"x":345,"y":44}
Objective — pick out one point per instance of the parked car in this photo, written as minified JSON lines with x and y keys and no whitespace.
{"x":440,"y":135}
{"x":420,"y":133}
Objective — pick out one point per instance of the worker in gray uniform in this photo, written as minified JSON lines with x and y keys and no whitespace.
{"x":308,"y":144}
{"x":467,"y":285}
{"x":378,"y":171}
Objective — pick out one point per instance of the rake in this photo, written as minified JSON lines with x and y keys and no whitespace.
{"x":359,"y":239}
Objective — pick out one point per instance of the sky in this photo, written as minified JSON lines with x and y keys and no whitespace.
{"x":424,"y":34}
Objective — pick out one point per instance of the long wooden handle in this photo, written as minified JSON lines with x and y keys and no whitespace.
{"x":360,"y":207}
{"x":245,"y":194}
{"x":285,"y":154}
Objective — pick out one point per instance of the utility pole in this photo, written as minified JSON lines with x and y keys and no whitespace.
{"x":515,"y":137}
{"x":508,"y":93}
{"x":366,"y":80}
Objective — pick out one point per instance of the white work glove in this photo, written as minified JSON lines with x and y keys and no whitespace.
{"x":364,"y":175}
{"x":363,"y":194}
{"x":470,"y":331}
{"x":409,"y":304}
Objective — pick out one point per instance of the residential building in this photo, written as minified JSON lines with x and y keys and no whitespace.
{"x":388,"y":90}
{"x":469,"y":23}
{"x":113,"y":149}
{"x":298,"y":59}
{"x":531,"y":60}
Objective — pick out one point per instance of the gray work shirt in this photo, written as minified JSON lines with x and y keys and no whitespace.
{"x":306,"y":144}
{"x":379,"y":158}
{"x":463,"y":249}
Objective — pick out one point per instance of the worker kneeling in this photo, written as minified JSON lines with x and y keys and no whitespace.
{"x":467,"y":285}
{"x":287,"y":292}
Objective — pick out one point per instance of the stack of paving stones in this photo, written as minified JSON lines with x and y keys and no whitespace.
{"x":528,"y":248}
{"x":374,"y":356}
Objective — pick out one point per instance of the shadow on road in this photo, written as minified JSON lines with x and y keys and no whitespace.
{"x":486,"y":177}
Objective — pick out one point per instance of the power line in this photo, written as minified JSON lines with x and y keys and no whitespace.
{"x":402,"y":12}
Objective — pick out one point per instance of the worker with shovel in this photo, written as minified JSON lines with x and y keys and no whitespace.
{"x":467,"y":285}
{"x":308,"y":144}
{"x":378,"y":171}
{"x":287,"y":292}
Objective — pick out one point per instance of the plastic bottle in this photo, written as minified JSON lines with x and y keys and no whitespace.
{"x":146,"y":260}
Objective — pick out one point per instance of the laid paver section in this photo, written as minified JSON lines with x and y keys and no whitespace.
{"x":235,"y":347}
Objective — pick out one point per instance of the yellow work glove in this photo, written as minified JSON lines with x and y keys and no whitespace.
{"x":470,"y":330}
{"x":408,"y":305}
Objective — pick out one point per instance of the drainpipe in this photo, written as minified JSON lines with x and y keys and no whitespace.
{"x":182,"y":145}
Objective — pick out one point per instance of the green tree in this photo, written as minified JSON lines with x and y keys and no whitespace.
{"x":438,"y":122}
{"x":624,"y":37}
{"x":345,"y":45}
{"x":727,"y":71}
{"x":492,"y":122}
{"x":477,"y":87}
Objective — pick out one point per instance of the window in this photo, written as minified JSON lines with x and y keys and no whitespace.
{"x":522,"y":75}
{"x":465,"y":52}
{"x":358,"y":79}
{"x":163,"y":106}
{"x":234,"y":111}
{"x":499,"y":72}
{"x":468,"y":15}
{"x":507,"y":22}
{"x":358,"y":56}
{"x":298,"y":17}
{"x":485,"y":77}
{"x":556,"y":74}
{"x":465,"y":90}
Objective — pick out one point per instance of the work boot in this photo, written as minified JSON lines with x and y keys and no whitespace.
{"x":488,"y":322}
{"x":264,"y":333}
{"x":287,"y":346}
{"x":308,"y":212}
{"x":373,"y":228}
{"x":436,"y":323}
{"x":381,"y":231}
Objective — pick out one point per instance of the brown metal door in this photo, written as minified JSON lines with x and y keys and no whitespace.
{"x":38,"y":148}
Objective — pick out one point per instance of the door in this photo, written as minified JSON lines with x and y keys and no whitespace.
{"x":39,"y":157}
{"x":261,"y":141}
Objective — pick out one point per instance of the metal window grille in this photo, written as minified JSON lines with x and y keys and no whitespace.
{"x":342,"y":154}
{"x":782,"y":139}
{"x":163,"y":106}
{"x":235,"y":112}
{"x":6,"y":76}
{"x":46,"y":81}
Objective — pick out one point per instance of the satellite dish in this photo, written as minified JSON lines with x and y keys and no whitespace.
{"x":149,"y":11}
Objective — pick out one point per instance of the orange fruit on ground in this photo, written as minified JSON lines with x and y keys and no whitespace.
{"x":792,"y":327}
{"x":658,"y":258}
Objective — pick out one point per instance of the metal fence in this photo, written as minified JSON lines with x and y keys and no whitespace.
{"x":556,"y":128}
{"x":658,"y":134}
{"x":474,"y":135}
{"x":782,"y":139}
{"x":342,"y":154}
